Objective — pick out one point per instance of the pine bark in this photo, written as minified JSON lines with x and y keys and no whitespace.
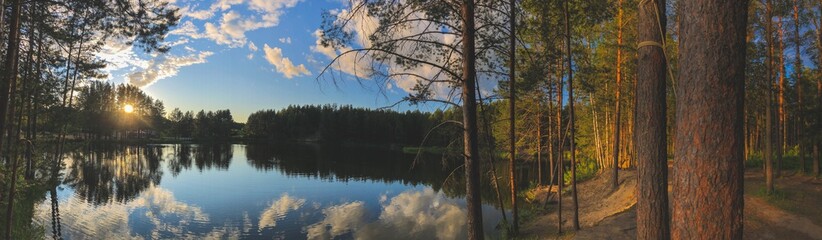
{"x":650,"y":133}
{"x":618,"y":88}
{"x":708,"y":171}
{"x":512,"y":98}
{"x":469,"y":117}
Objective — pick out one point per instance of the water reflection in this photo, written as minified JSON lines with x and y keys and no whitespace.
{"x":415,"y":214}
{"x":120,"y":173}
{"x":156,"y":206}
{"x":257,"y":191}
{"x":278,"y":210}
{"x":347,"y":164}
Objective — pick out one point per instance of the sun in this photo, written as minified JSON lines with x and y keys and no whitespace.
{"x":128,"y":108}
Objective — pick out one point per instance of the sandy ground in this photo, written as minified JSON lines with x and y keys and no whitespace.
{"x":610,"y":215}
{"x":596,"y":203}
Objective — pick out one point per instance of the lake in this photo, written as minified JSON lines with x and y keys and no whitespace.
{"x":258,"y":192}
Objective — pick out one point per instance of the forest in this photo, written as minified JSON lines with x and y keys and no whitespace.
{"x":688,"y":95}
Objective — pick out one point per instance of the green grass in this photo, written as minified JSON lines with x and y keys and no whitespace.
{"x":790,"y":161}
{"x":778,"y":198}
{"x":585,"y":171}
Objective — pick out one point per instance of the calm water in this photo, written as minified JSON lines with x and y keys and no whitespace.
{"x":256,"y":192}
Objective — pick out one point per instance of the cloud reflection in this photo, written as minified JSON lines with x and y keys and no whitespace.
{"x":412,"y":214}
{"x":278,"y":210}
{"x":158,"y":206}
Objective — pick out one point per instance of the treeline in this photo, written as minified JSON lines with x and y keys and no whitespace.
{"x":100,"y":114}
{"x":336,"y":124}
{"x":204,"y":125}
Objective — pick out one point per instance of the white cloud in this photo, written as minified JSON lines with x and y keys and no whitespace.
{"x":119,"y":55}
{"x":198,"y":14}
{"x":283,"y":64}
{"x":354,"y":64}
{"x":286,"y":40}
{"x":252,"y":47}
{"x":232,"y":27}
{"x":164,"y":66}
{"x":359,"y":64}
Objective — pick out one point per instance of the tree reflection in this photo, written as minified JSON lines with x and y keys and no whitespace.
{"x":104,"y":173}
{"x":100,"y":174}
{"x":344,"y":164}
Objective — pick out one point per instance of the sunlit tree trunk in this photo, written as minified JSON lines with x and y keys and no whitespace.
{"x":651,"y":133}
{"x":469,"y":117}
{"x":708,"y":171}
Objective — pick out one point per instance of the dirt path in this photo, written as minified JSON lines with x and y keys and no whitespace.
{"x":596,"y":202}
{"x":605,"y":215}
{"x":777,"y":223}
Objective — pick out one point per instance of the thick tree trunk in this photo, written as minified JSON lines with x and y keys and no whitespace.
{"x":469,"y":117}
{"x":618,"y":88}
{"x":708,"y":171}
{"x":650,"y":133}
{"x":571,"y":101}
{"x":512,"y":137}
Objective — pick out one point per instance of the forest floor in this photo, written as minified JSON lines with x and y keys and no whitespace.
{"x":794,"y":212}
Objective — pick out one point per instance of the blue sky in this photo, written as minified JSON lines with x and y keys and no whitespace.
{"x":245,"y":55}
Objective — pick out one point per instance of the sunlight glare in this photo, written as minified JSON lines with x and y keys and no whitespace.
{"x":128,"y":108}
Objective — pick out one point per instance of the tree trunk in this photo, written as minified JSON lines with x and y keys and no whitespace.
{"x":781,"y":123}
{"x":6,"y":92}
{"x":560,"y":148}
{"x":469,"y":117}
{"x":769,"y":106}
{"x":12,"y":51}
{"x":617,"y":89}
{"x":551,"y":134}
{"x":709,"y":169}
{"x":539,"y":140}
{"x":651,"y":138}
{"x":800,"y":126}
{"x":571,"y":141}
{"x":816,"y":160}
{"x":512,"y":98}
